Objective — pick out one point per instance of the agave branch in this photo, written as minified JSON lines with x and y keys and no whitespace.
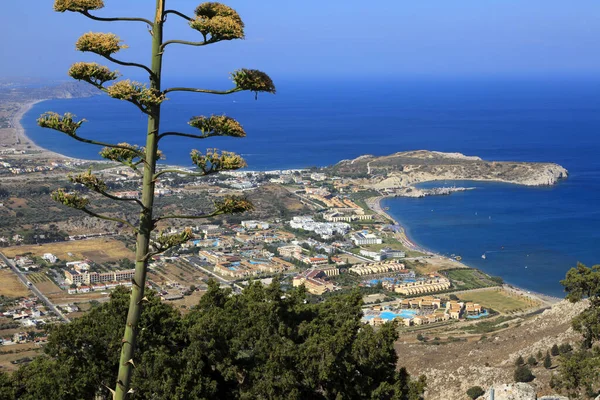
{"x":66,"y":124}
{"x":213,"y":161}
{"x":209,"y":91}
{"x":215,"y":125}
{"x":130,"y":64}
{"x":105,"y":45}
{"x":227,"y":205}
{"x":77,"y":202}
{"x":245,"y":80}
{"x":95,"y":184}
{"x":182,"y":15}
{"x":164,"y":242}
{"x":84,"y":7}
{"x":186,"y":42}
{"x":177,"y":171}
{"x":107,"y":218}
{"x":87,"y":14}
{"x":136,"y":93}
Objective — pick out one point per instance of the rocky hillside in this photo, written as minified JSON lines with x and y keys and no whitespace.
{"x":408,"y":168}
{"x":488,"y":360}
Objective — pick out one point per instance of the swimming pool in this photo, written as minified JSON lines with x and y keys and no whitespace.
{"x":483,"y":314}
{"x":390,"y":315}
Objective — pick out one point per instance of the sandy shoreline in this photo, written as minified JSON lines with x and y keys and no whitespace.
{"x":374,"y":204}
{"x":24,"y":142}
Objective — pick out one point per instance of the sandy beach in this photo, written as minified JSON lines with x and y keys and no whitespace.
{"x":21,"y":141}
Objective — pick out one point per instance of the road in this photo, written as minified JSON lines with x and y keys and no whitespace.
{"x":22,"y":277}
{"x":198,"y":264}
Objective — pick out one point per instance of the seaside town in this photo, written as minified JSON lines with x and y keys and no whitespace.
{"x":327,"y":234}
{"x":321,"y":229}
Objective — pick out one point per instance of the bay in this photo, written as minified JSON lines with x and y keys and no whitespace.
{"x":317,"y":123}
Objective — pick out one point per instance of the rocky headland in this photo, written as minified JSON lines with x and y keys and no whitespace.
{"x":405,"y":169}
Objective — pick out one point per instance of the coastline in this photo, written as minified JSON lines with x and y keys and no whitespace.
{"x":374,"y":203}
{"x":24,"y":142}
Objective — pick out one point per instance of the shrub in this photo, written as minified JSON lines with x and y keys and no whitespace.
{"x":523,"y":374}
{"x":519,"y":361}
{"x":565,"y":348}
{"x":547,"y":361}
{"x":554,"y":350}
{"x":532,"y":361}
{"x":475,"y":392}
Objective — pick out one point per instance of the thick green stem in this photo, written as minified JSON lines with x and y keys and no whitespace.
{"x":126,"y":364}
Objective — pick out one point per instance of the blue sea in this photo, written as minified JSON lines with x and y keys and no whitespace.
{"x":531,"y":236}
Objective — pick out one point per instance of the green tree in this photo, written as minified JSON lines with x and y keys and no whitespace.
{"x":554,"y":350}
{"x":254,"y":345}
{"x":475,"y":391}
{"x":519,"y":361}
{"x":583,"y":282}
{"x":539,"y":355}
{"x":565,"y":348}
{"x":523,"y":374}
{"x":531,"y":361}
{"x":215,"y":23}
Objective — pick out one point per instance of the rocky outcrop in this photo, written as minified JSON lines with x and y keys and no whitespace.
{"x":405,"y":169}
{"x":513,"y":391}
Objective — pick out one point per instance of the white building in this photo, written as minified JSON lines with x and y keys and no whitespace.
{"x":255,"y":225}
{"x":51,"y":258}
{"x":323,"y":229}
{"x":362,"y":238}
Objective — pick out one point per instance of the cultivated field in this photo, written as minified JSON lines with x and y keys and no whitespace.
{"x":99,"y":250}
{"x":470,"y":278}
{"x":10,"y":286}
{"x":500,"y":300}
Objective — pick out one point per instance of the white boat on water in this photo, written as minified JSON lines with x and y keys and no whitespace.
{"x":483,"y":256}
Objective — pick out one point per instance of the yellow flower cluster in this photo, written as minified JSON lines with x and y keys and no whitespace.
{"x":90,"y":181}
{"x":69,"y":199}
{"x":64,"y":123}
{"x":103,"y":44}
{"x":93,"y":73}
{"x":218,"y":125}
{"x":125,"y":154}
{"x":213,"y":161}
{"x":136,"y":92}
{"x":253,"y":80}
{"x":77,"y":5}
{"x":218,"y":21}
{"x":168,"y":241}
{"x":233,"y":205}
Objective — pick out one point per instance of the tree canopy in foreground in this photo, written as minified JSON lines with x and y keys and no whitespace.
{"x":261,"y":344}
{"x":579,"y":371}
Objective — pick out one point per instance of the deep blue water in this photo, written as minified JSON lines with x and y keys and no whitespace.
{"x":320,"y":123}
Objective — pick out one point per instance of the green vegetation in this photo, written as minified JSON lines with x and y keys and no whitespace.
{"x":488,"y":325}
{"x":229,"y":347}
{"x":469,"y":278}
{"x":519,"y":361}
{"x":523,"y":374}
{"x":499,"y":300}
{"x":547,"y":361}
{"x":579,"y":370}
{"x":214,"y":22}
{"x":475,"y":391}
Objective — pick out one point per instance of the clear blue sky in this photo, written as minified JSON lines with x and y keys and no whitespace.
{"x":350,"y":38}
